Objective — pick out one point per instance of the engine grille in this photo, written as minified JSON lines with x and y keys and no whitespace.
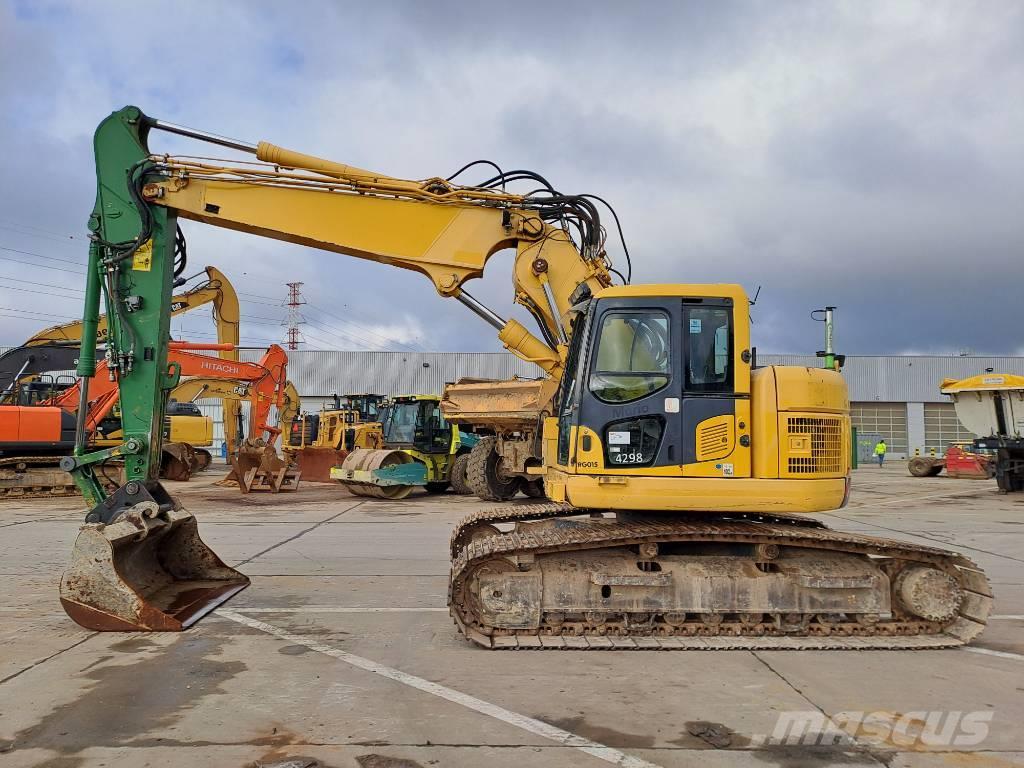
{"x":816,"y":445}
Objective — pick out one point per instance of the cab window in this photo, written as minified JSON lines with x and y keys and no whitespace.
{"x":402,"y":427}
{"x":632,"y":358}
{"x":708,"y":349}
{"x":437,"y":427}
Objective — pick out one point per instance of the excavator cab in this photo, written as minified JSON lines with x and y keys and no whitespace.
{"x":41,"y":389}
{"x":660,"y":396}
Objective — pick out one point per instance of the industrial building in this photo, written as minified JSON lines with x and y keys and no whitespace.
{"x":895,"y":396}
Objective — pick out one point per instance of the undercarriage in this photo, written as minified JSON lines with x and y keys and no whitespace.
{"x":30,"y":477}
{"x":553,"y":576}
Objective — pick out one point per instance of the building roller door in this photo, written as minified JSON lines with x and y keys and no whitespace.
{"x":942,"y":427}
{"x":887,"y":419}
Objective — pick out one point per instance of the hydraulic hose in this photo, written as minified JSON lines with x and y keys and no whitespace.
{"x":87,"y":354}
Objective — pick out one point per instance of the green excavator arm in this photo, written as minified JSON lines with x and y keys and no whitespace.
{"x":138,"y":562}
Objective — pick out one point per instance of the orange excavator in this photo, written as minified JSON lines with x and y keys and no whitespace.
{"x":39,"y":432}
{"x":33,"y":441}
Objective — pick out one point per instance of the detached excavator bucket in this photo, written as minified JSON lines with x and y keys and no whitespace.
{"x":177,"y":461}
{"x":261,"y":469}
{"x":147,"y":571}
{"x":316,"y":463}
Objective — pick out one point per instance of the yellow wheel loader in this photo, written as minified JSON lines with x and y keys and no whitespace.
{"x":318,"y":442}
{"x":681,"y":477}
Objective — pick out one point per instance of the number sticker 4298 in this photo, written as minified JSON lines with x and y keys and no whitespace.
{"x":629,"y":458}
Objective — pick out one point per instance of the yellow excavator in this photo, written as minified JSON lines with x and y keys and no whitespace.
{"x":681,"y":476}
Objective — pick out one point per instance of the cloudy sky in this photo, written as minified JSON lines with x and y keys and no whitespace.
{"x":865,"y":155}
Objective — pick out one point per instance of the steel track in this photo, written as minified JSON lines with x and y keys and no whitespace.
{"x":475,"y":542}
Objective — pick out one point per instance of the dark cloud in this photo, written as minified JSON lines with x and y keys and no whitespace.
{"x":874,"y":154}
{"x":868,"y":155}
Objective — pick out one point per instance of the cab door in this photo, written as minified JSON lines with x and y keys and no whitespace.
{"x":630,"y":391}
{"x":713,"y":415}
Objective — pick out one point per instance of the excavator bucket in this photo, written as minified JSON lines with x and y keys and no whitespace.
{"x":315,"y":463}
{"x":177,"y":461}
{"x":147,"y":571}
{"x":201,"y":459}
{"x":259,"y":468}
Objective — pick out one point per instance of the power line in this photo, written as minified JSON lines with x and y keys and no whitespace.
{"x":49,"y":293}
{"x":205,"y":335}
{"x":30,"y":312}
{"x":41,"y":256}
{"x":9,"y":224}
{"x":326,"y":344}
{"x":23,"y":232}
{"x":264,"y":303}
{"x":37,"y":265}
{"x":349,"y":335}
{"x":365,"y":329}
{"x":45,"y":285}
{"x":258,"y":296}
{"x":343,"y":336}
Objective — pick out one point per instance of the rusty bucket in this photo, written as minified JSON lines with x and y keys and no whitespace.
{"x":177,"y":461}
{"x":257,"y":467}
{"x":147,"y":571}
{"x":315,"y":463}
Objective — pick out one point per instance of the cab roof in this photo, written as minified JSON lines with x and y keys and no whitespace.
{"x":703,"y":290}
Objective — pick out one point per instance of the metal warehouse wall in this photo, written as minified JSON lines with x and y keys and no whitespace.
{"x":903,"y":378}
{"x":321,"y":374}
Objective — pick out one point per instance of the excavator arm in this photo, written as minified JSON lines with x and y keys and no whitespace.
{"x":443,"y":230}
{"x":239,"y":390}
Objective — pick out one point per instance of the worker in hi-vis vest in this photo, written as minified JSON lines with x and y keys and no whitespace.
{"x":880,"y":452}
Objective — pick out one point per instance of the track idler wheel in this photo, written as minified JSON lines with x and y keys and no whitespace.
{"x":927,"y":592}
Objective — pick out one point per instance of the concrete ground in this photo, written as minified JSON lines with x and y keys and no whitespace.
{"x":342,"y":653}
